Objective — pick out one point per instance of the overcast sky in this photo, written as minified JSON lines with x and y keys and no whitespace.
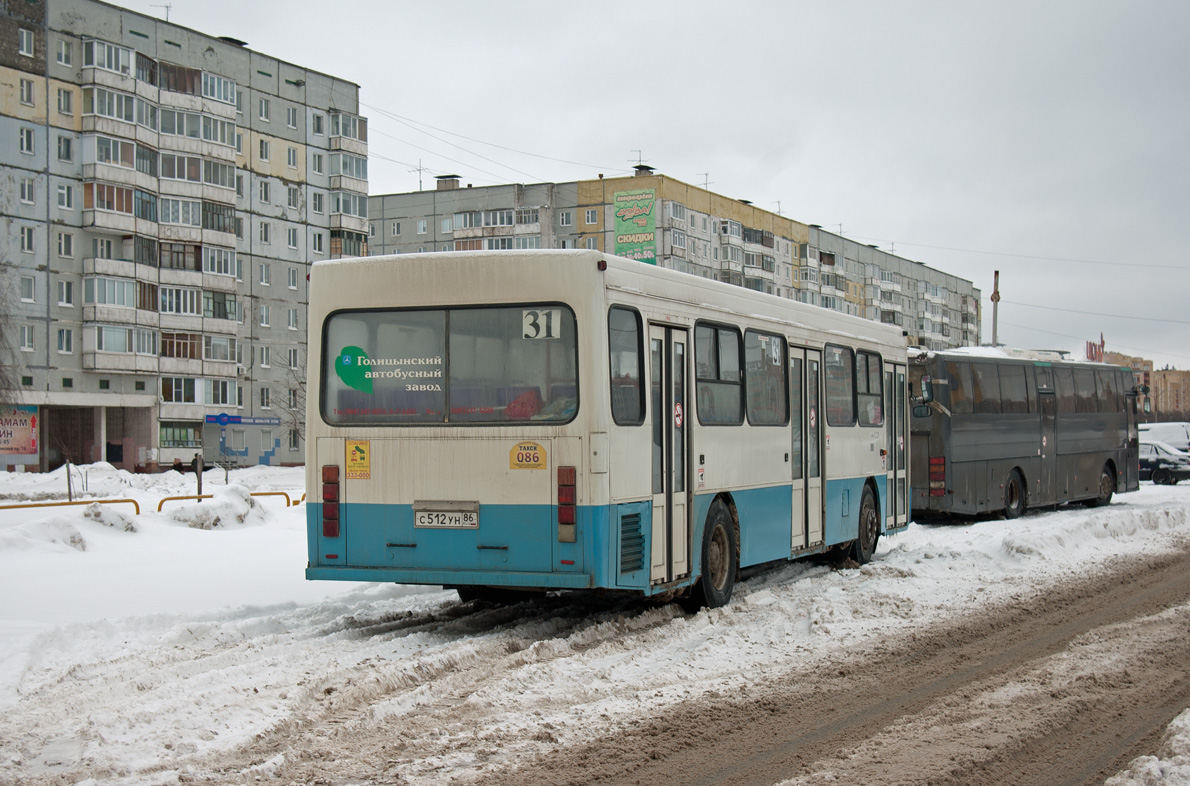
{"x":1047,"y":140}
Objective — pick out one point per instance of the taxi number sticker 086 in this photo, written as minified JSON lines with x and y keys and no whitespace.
{"x":527,"y":455}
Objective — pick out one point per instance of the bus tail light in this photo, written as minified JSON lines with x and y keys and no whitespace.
{"x":937,"y":476}
{"x":567,"y":499}
{"x":330,"y":501}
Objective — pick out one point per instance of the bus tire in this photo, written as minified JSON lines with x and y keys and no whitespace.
{"x":1162,"y":477}
{"x":869,"y":529}
{"x":1014,"y":495}
{"x":1107,"y":486}
{"x":720,"y":561}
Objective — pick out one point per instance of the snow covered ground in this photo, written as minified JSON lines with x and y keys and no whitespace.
{"x":136,"y":644}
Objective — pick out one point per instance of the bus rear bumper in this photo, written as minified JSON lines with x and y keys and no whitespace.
{"x":452,"y":578}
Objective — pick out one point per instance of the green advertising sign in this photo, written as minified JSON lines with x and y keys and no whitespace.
{"x":636,"y":235}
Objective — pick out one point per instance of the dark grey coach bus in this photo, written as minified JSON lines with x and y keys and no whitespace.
{"x":1005,"y":430}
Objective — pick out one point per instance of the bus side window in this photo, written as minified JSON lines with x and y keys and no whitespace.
{"x":1064,"y":383}
{"x":840,"y":386}
{"x":624,"y":337}
{"x":1108,"y":397}
{"x":986,"y":388}
{"x":719,"y":377}
{"x":1013,"y":394}
{"x":764,"y":380}
{"x":959,"y":383}
{"x":1084,"y":391}
{"x":869,"y":393}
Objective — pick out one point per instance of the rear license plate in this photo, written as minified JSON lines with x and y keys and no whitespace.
{"x":442,"y":519}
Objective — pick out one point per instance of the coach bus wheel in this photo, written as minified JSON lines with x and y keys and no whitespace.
{"x":719,"y":561}
{"x":1014,"y":496}
{"x":1162,"y":477}
{"x":1107,"y":485}
{"x":869,"y":529}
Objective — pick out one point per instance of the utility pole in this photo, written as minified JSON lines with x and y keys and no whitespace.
{"x":418,"y":169}
{"x":995,"y":308}
{"x":166,"y":6}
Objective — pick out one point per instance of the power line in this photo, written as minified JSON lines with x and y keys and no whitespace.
{"x":1032,"y":256}
{"x":1097,"y":313}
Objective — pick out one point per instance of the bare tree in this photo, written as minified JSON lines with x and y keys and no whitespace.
{"x":294,"y":412}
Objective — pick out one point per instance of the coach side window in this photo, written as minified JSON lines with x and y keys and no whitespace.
{"x":719,"y":377}
{"x":1064,"y":384}
{"x":1084,"y":390}
{"x":1013,"y":392}
{"x":765,"y":378}
{"x":1108,"y":393}
{"x":985,"y":389}
{"x":627,"y":363}
{"x":840,"y":386}
{"x":958,"y":380}
{"x":868,"y":391}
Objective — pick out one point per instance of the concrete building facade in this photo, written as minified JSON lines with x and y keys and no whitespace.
{"x":162,"y":194}
{"x":664,"y":221}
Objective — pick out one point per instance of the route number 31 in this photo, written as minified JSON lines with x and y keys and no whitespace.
{"x":541,"y":323}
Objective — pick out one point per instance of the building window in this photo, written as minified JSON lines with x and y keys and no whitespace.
{"x":265,"y":398}
{"x":65,"y":53}
{"x":221,"y":391}
{"x":27,"y":92}
{"x":318,"y":243}
{"x":447,"y":224}
{"x":65,"y":341}
{"x":26,"y":338}
{"x":396,"y":228}
{"x":291,"y":116}
{"x":65,"y":245}
{"x":27,"y":190}
{"x":292,"y":236}
{"x":316,"y":163}
{"x":65,"y":148}
{"x":265,"y":231}
{"x":27,"y":141}
{"x":264,"y":316}
{"x":24,"y":42}
{"x":591,"y":244}
{"x":28,"y":289}
{"x":266,"y":274}
{"x":27,"y":243}
{"x":293,"y":319}
{"x":565,"y":218}
{"x":264,"y":110}
{"x":66,"y":197}
{"x":266,"y":191}
{"x":293,"y":278}
{"x":66,"y":293}
{"x":264,"y":150}
{"x":266,"y":357}
{"x":291,"y":157}
{"x":292,"y":197}
{"x":316,"y":124}
{"x":266,"y":440}
{"x":293,"y":363}
{"x":592,"y":216}
{"x":316,"y":202}
{"x":65,"y":101}
{"x":293,"y":440}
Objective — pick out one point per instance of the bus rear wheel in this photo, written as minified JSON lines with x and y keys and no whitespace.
{"x":1107,"y":486}
{"x":869,"y":529}
{"x":1014,"y":496}
{"x":720,"y":559}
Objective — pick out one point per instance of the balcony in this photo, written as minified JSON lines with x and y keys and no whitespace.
{"x":119,"y":362}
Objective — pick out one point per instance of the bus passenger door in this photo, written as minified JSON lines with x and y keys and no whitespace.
{"x":815,"y":459}
{"x":797,"y":453}
{"x":670,"y":546}
{"x":896,"y":506}
{"x":1047,"y":493}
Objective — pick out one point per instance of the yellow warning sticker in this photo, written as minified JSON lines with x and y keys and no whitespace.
{"x":359,"y":459}
{"x":526,"y":455}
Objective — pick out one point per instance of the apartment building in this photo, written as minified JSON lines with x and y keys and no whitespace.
{"x":162,"y":194}
{"x":660,"y":220}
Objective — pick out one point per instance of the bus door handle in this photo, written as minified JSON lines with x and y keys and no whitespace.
{"x":492,"y":548}
{"x":401,"y":545}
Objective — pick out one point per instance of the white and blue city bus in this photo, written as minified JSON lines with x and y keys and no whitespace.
{"x":540,"y":420}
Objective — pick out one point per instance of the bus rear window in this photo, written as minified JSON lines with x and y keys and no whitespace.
{"x":475,"y":365}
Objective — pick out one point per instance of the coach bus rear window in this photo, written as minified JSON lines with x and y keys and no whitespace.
{"x":476,"y":366}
